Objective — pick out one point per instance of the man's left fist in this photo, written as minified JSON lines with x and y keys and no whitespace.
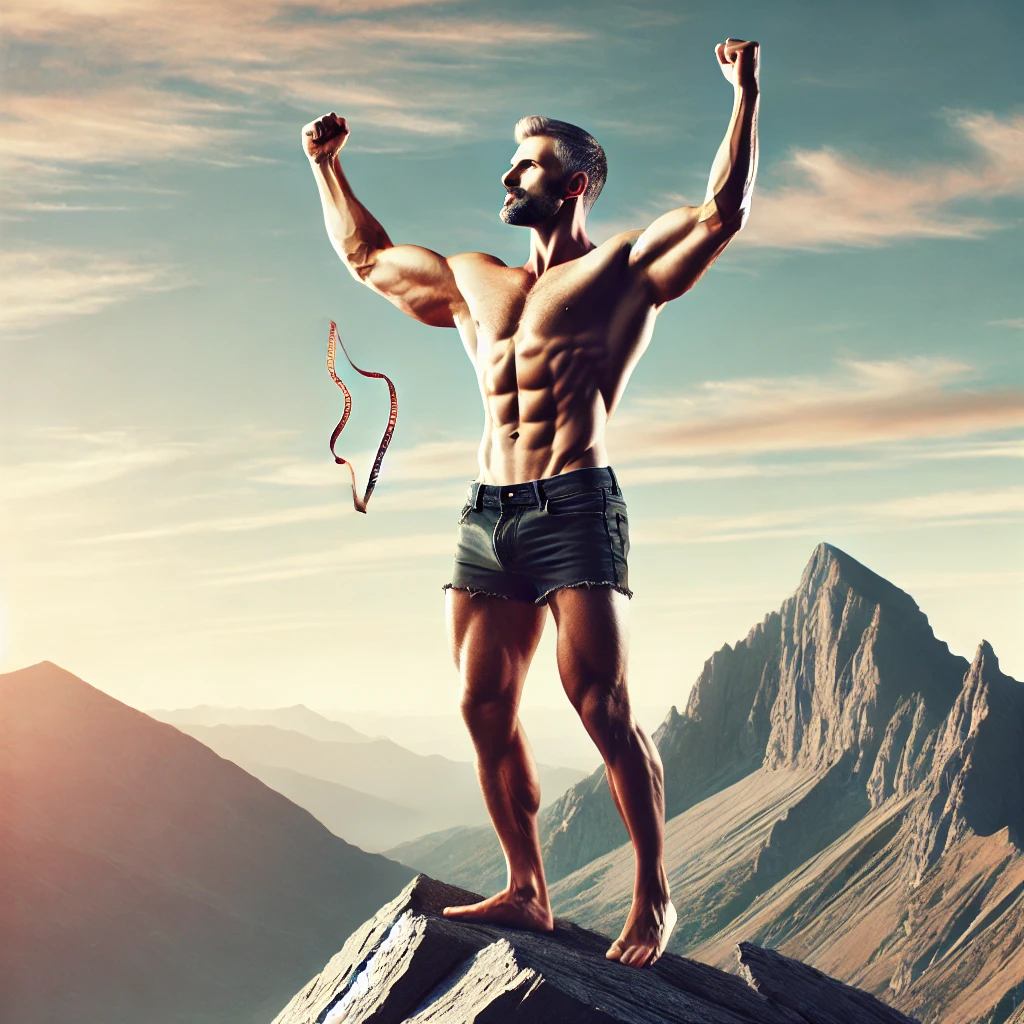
{"x":738,"y":59}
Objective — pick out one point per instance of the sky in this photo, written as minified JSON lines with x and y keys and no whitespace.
{"x":172,"y":526}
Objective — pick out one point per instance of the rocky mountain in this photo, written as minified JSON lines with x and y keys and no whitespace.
{"x":142,"y":877}
{"x":403,"y":794}
{"x":841,"y":788}
{"x":411,"y":964}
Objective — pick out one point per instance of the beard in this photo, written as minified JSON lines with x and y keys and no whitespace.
{"x":529,"y":208}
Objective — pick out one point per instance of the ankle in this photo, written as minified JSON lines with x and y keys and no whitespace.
{"x":528,"y":891}
{"x":652,"y":887}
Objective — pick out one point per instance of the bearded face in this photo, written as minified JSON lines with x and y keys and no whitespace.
{"x":525,"y":208}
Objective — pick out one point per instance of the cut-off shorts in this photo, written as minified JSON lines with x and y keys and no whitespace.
{"x":523,"y":541}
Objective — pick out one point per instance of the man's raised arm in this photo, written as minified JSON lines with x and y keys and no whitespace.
{"x":417,"y":280}
{"x":677,"y":248}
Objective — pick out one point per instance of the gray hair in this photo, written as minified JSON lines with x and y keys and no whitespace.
{"x":576,"y":149}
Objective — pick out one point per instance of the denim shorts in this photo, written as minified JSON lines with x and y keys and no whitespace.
{"x":523,"y":541}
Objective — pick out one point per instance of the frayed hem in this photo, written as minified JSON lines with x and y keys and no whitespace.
{"x":476,"y":591}
{"x":584,"y":583}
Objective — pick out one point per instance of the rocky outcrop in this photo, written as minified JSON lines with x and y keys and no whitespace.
{"x":793,"y":984}
{"x":410,"y":965}
{"x":976,"y":781}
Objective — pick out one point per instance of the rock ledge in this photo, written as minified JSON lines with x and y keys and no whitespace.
{"x":410,"y":965}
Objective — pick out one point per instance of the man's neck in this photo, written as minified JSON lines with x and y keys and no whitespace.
{"x":559,"y":240}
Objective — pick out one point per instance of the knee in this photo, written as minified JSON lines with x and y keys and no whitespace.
{"x":606,"y":715}
{"x":488,"y":717}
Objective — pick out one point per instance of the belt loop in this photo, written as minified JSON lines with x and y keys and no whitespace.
{"x":615,"y":482}
{"x":537,"y":494}
{"x":478,"y":495}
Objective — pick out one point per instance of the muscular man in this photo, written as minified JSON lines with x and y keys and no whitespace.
{"x":553,"y":343}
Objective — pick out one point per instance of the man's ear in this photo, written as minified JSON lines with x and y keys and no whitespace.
{"x":577,"y":185}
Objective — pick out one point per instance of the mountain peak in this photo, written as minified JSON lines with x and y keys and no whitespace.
{"x":830,"y":567}
{"x":985,"y":658}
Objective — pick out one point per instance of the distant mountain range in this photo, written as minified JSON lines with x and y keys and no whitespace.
{"x":840,"y":787}
{"x":369,"y":791}
{"x":145,"y":878}
{"x":297,"y":718}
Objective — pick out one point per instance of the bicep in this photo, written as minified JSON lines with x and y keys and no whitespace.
{"x":418,"y":281}
{"x":678,"y":247}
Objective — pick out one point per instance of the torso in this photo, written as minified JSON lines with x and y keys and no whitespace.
{"x":552,"y":356}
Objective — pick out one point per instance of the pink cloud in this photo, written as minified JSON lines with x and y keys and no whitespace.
{"x":833,"y":200}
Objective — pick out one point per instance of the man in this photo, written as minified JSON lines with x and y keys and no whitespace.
{"x":553,"y":343}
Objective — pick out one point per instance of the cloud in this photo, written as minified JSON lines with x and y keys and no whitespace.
{"x":864,"y":402}
{"x":39,"y":286}
{"x":429,"y":460}
{"x":1015,"y":322}
{"x":833,"y":200}
{"x":85,"y":461}
{"x":939,"y":509}
{"x":356,"y":555}
{"x":222,"y":66}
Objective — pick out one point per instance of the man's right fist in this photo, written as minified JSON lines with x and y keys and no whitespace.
{"x":324,"y":137}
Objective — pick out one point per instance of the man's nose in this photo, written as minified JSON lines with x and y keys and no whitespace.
{"x":510,"y":179}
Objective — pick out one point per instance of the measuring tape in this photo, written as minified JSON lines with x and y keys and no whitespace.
{"x":333,"y":340}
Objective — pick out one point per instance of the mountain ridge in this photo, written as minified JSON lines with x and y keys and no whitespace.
{"x":202,"y":893}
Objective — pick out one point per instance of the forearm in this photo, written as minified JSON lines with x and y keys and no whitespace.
{"x":353,"y":230}
{"x":732,"y":174}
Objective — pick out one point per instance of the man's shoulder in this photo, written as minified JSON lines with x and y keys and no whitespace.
{"x":471,"y":259}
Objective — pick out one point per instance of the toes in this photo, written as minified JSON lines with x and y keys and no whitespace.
{"x":614,"y":951}
{"x":637,"y":956}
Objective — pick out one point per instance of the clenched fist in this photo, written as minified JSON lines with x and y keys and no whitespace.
{"x":738,"y":60}
{"x":324,"y":137}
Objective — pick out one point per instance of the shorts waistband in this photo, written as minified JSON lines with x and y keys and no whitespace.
{"x":536,"y":492}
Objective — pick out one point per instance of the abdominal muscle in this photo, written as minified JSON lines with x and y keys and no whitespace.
{"x":535,"y":432}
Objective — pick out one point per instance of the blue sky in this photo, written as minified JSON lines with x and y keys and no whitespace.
{"x":173,"y":528}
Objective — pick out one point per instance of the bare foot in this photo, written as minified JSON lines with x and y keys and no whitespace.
{"x":515,"y":909}
{"x":645,"y":935}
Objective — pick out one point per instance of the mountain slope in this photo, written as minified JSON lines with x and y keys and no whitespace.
{"x":142,"y":876}
{"x":367,"y":821}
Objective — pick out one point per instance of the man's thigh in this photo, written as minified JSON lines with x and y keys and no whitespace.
{"x":493,"y":641}
{"x":593,"y":638}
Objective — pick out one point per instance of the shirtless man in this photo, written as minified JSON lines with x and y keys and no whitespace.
{"x":553,"y":342}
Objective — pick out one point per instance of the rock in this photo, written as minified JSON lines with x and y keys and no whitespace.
{"x":410,"y":965}
{"x":818,"y":998}
{"x":976,"y":782}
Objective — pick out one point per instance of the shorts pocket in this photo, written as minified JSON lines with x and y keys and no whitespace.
{"x":464,"y":514}
{"x":622,"y":532}
{"x":584,"y":503}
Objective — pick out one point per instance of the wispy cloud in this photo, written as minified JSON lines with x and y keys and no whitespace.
{"x":862,"y":403}
{"x":218,"y":67}
{"x":357,"y":555}
{"x":831,"y":199}
{"x":39,"y":286}
{"x":944,"y":508}
{"x":1015,"y":322}
{"x":83,"y":460}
